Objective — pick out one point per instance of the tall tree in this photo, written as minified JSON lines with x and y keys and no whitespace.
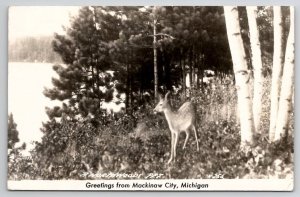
{"x":123,"y":41}
{"x":154,"y":14}
{"x":241,"y":72}
{"x":83,"y":82}
{"x":135,"y":40}
{"x":13,"y":134}
{"x":286,"y":93}
{"x":257,"y":66}
{"x":278,"y":60}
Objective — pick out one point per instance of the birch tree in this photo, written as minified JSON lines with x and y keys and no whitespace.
{"x":241,"y":74}
{"x":277,"y":68}
{"x":155,"y":54}
{"x":257,"y":66}
{"x":287,"y":83}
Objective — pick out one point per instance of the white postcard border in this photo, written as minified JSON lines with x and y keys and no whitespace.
{"x":157,"y":185}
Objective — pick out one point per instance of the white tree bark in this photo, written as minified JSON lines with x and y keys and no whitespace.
{"x":155,"y":53}
{"x":241,"y":74}
{"x":257,"y":66}
{"x":277,"y":69}
{"x":287,"y":83}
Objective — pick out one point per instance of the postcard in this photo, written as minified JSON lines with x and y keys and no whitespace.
{"x":151,"y":98}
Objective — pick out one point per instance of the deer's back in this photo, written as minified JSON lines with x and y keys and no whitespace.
{"x":184,"y":117}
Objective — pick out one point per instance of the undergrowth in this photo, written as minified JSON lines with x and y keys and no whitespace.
{"x":141,"y":144}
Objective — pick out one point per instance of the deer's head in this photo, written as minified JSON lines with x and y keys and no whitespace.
{"x":162,"y":104}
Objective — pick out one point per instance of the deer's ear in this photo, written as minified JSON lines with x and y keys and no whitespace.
{"x":167,"y":95}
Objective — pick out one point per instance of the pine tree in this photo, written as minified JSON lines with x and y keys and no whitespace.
{"x":83,"y":81}
{"x":13,"y":133}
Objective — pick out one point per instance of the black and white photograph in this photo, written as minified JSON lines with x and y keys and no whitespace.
{"x":151,"y":98}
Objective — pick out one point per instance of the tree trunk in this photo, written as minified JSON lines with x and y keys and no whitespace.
{"x":155,"y":60}
{"x":163,"y":65}
{"x":128,"y":84}
{"x":287,"y":83}
{"x":168,"y":72}
{"x":277,"y":69}
{"x":182,"y":63}
{"x":241,"y":74}
{"x":191,"y":74}
{"x":130,"y":89}
{"x":198,"y":72}
{"x":127,"y":89}
{"x":257,"y":66}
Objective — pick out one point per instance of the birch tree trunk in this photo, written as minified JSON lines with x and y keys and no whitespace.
{"x":287,"y":83}
{"x":257,"y":66}
{"x":277,"y":69}
{"x":241,"y":74}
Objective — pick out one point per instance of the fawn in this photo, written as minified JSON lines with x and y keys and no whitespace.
{"x":182,"y":120}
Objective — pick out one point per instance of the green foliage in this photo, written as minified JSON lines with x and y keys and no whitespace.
{"x":84,"y":81}
{"x":19,"y":167}
{"x":140,"y":143}
{"x":13,"y":133}
{"x":99,"y":41}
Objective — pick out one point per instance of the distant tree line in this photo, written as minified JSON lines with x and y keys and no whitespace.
{"x":33,"y":49}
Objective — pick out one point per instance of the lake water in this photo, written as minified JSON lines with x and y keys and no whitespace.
{"x":26,"y":83}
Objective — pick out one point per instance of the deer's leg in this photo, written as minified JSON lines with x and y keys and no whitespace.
{"x":187,"y":135}
{"x":193,"y":127}
{"x":175,"y":144}
{"x":172,"y":144}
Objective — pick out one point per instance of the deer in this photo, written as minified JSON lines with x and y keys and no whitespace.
{"x":182,"y":120}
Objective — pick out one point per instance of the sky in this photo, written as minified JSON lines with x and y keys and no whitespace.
{"x":38,"y":20}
